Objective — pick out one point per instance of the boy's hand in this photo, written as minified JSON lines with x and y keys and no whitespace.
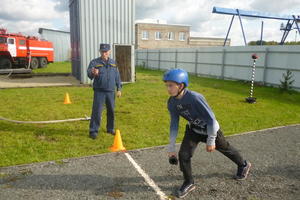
{"x":210,"y":148}
{"x":170,"y":154}
{"x":173,"y":158}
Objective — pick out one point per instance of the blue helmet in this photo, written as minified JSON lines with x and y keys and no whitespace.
{"x":177,"y":75}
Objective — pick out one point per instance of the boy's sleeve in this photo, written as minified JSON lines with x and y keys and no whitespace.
{"x":118,"y":80}
{"x":89,"y":70}
{"x":212,"y":123}
{"x":173,"y":129}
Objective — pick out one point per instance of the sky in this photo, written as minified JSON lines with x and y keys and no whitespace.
{"x":27,"y":16}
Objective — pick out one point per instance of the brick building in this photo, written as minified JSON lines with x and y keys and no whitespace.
{"x":155,"y":35}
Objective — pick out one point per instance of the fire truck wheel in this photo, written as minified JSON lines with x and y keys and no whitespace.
{"x":5,"y":63}
{"x":43,"y":62}
{"x":34,"y":63}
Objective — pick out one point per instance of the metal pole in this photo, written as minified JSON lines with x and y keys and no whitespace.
{"x":287,"y":31}
{"x":261,"y":33}
{"x":242,"y":26}
{"x":296,"y":22}
{"x":285,"y":28}
{"x":252,"y":99}
{"x":290,"y":28}
{"x":228,"y":30}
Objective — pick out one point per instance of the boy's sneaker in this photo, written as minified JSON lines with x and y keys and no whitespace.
{"x":185,"y":189}
{"x":243,"y":171}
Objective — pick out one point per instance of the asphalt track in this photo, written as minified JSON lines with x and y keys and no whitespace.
{"x":274,"y":154}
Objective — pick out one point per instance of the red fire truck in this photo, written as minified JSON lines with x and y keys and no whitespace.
{"x":17,"y":50}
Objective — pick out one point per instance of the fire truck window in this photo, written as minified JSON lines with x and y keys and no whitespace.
{"x":22,"y":42}
{"x":3,"y":40}
{"x":11,"y":41}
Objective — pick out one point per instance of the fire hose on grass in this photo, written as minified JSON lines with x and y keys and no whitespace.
{"x":86,"y":118}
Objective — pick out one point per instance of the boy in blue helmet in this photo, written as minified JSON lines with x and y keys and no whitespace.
{"x":202,"y":127}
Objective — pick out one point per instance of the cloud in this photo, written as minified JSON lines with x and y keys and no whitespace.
{"x":29,"y":10}
{"x":61,"y":5}
{"x":27,"y":16}
{"x":25,"y":27}
{"x":280,"y":7}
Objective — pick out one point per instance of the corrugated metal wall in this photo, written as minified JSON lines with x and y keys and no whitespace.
{"x":61,"y":43}
{"x":228,"y":62}
{"x":98,"y":21}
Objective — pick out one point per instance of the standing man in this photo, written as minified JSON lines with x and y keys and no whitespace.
{"x":106,"y":76}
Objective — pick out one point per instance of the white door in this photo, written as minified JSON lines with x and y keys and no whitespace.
{"x":11,"y":43}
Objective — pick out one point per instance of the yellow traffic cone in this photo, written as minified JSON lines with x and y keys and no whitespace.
{"x":67,"y":99}
{"x":118,"y":144}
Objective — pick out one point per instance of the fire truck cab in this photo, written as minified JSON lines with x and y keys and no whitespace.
{"x":17,"y":50}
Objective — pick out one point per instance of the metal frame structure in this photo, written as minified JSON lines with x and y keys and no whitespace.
{"x":291,"y":20}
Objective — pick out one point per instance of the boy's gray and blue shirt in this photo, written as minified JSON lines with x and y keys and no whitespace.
{"x":194,"y":108}
{"x":109,"y":76}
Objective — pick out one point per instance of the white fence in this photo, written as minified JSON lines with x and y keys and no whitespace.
{"x":227,"y":62}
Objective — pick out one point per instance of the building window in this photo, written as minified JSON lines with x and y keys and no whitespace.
{"x":157,"y":35}
{"x":170,"y":36}
{"x":181,"y":36}
{"x":145,"y":35}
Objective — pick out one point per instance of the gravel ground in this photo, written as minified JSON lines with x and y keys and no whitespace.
{"x":273,"y":153}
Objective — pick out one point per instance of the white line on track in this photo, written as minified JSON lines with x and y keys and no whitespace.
{"x":147,"y":178}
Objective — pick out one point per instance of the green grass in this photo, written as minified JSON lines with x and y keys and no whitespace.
{"x":57,"y":67}
{"x":141,"y":115}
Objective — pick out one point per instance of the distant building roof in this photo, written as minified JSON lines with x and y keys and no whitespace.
{"x":185,"y":25}
{"x":41,"y":30}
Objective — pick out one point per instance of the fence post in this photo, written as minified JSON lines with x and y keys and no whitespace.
{"x":147,"y":59}
{"x":159,"y":59}
{"x":136,"y":57}
{"x":223,"y":63}
{"x":176,"y":52}
{"x":196,"y":61}
{"x":265,"y":66}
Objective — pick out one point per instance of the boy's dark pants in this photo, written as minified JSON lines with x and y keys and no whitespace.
{"x":189,"y":144}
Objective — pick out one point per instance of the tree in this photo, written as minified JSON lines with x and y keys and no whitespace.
{"x":286,"y":83}
{"x":257,"y":43}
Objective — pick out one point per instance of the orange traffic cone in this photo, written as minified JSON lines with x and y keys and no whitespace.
{"x":67,"y":99}
{"x":118,"y":144}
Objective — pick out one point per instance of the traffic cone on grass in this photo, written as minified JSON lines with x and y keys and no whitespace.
{"x":67,"y":99}
{"x":118,"y":144}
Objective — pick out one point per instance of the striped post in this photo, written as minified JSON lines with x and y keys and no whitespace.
{"x":252,"y":78}
{"x":252,"y":99}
